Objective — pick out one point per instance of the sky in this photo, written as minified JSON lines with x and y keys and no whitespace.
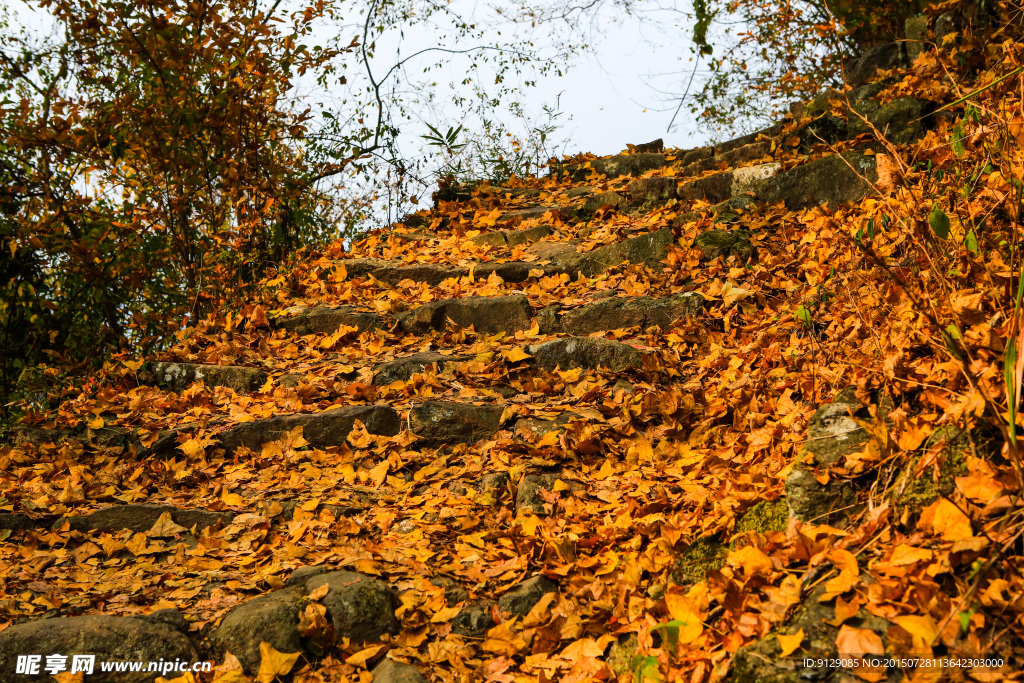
{"x":615,"y":93}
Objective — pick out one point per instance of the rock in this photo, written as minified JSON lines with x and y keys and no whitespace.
{"x":490,"y":239}
{"x":475,"y":620}
{"x":585,"y":352}
{"x":526,"y":214}
{"x":621,"y":654}
{"x":832,"y":435}
{"x":916,"y":30}
{"x":622,"y":312}
{"x":882,"y":57}
{"x":916,"y":489}
{"x":824,"y":130}
{"x":303,"y":574}
{"x":390,"y":671}
{"x":613,"y":167}
{"x":694,"y":563}
{"x":142,"y":517}
{"x":652,"y":146}
{"x":528,"y":235}
{"x":764,"y":517}
{"x":273,"y":618}
{"x":329,"y":428}
{"x":760,"y":661}
{"x":734,"y":157}
{"x":538,"y":427}
{"x":694,"y":155}
{"x":712,"y":188}
{"x":322,"y":320}
{"x":494,"y":483}
{"x":947,"y":24}
{"x":487,"y":315}
{"x":441,"y":422}
{"x":658,"y":189}
{"x":528,"y":496}
{"x":715,"y":243}
{"x":601,"y":200}
{"x":523,"y":596}
{"x":15,"y":521}
{"x":359,"y":607}
{"x":899,"y":121}
{"x":180,"y":376}
{"x":453,"y":592}
{"x":104,"y":637}
{"x":649,"y":249}
{"x":430,"y":273}
{"x":830,"y":179}
{"x":401,"y":369}
{"x":744,"y":140}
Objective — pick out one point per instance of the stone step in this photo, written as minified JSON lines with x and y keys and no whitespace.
{"x":588,"y":353}
{"x":444,"y":422}
{"x":180,"y":376}
{"x":488,"y":315}
{"x":320,"y":430}
{"x":436,"y":273}
{"x":621,"y":312}
{"x":325,"y":320}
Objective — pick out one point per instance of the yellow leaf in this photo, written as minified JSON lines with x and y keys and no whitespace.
{"x":502,"y":640}
{"x":904,"y":554}
{"x":920,"y":626}
{"x":789,"y":644}
{"x":731,"y":293}
{"x":232,"y":500}
{"x":274,"y":663}
{"x":946,"y":519}
{"x":164,"y":527}
{"x":515,"y":355}
{"x":584,"y":647}
{"x":361,"y":658}
{"x":849,"y":574}
{"x":379,"y":473}
{"x":859,"y":641}
{"x":751,"y":560}
{"x":133,"y":365}
{"x":96,"y":423}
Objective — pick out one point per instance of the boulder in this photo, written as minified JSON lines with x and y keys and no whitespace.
{"x":390,"y":671}
{"x":832,"y":435}
{"x":329,"y":428}
{"x":487,"y":315}
{"x":528,"y":494}
{"x":601,"y":200}
{"x":835,"y":179}
{"x":359,"y":607}
{"x":882,"y":57}
{"x":916,"y":30}
{"x":658,"y":189}
{"x":442,"y":422}
{"x":899,"y":121}
{"x":322,"y":320}
{"x":649,"y":249}
{"x":474,"y":620}
{"x":521,"y":598}
{"x":105,"y":638}
{"x":715,"y":243}
{"x":180,"y":376}
{"x":585,"y":352}
{"x":401,"y":369}
{"x":142,"y":517}
{"x":623,"y":312}
{"x":613,"y":167}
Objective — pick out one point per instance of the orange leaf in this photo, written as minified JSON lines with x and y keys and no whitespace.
{"x":859,"y":641}
{"x":274,"y":663}
{"x":790,"y":643}
{"x":946,"y":520}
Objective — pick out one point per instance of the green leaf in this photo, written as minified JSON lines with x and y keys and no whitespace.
{"x":953,"y":332}
{"x":804,"y":316}
{"x":939,"y":221}
{"x":958,"y":142}
{"x":971,"y":242}
{"x":645,"y":669}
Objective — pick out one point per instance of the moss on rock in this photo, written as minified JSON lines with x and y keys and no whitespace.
{"x":764,"y":517}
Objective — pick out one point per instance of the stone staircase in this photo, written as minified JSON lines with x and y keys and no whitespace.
{"x":368,"y":454}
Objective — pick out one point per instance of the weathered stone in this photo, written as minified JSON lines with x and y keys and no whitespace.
{"x":744,"y":140}
{"x":522,"y":597}
{"x":712,"y":188}
{"x":947,"y":24}
{"x":322,"y":320}
{"x":15,"y":521}
{"x":329,"y":428}
{"x":585,"y":352}
{"x":360,"y":607}
{"x":558,"y":253}
{"x":527,"y":235}
{"x":525,"y":214}
{"x":180,"y":376}
{"x":620,"y":312}
{"x":649,"y":249}
{"x":271,"y":618}
{"x":302,"y":574}
{"x":830,"y":179}
{"x":441,"y":422}
{"x":601,"y":200}
{"x":490,"y":239}
{"x":621,"y":655}
{"x":658,"y":189}
{"x":453,"y":592}
{"x":899,"y":121}
{"x":698,"y":154}
{"x":916,"y":30}
{"x":823,"y":130}
{"x":528,"y":494}
{"x":613,"y":167}
{"x":764,"y":517}
{"x":430,"y":273}
{"x":715,"y":243}
{"x":401,"y":369}
{"x":882,"y":57}
{"x":474,"y":620}
{"x":733,"y":157}
{"x":916,"y":489}
{"x":494,"y":483}
{"x":760,"y":661}
{"x":652,"y":146}
{"x":108,"y":638}
{"x":142,"y":518}
{"x":539,"y":427}
{"x":694,"y":563}
{"x":390,"y":671}
{"x":832,"y":435}
{"x":488,"y":315}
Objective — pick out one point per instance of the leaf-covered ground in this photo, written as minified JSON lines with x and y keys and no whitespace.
{"x":654,"y":496}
